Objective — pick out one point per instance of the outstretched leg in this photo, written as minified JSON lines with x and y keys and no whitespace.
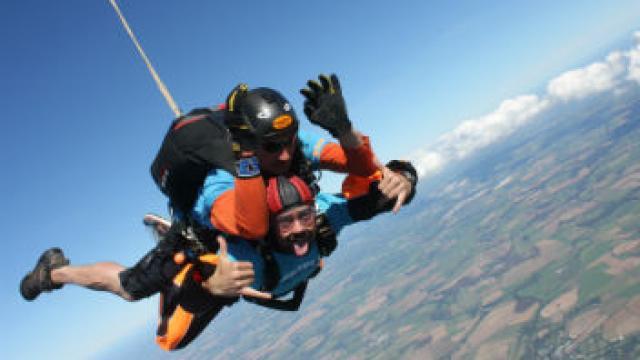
{"x":102,"y":276}
{"x":150,"y":275}
{"x":52,"y":271}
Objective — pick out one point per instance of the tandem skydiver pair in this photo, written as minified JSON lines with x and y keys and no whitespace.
{"x":254,"y":225}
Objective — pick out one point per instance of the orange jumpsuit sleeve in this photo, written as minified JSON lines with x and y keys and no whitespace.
{"x":358,"y":161}
{"x":242,"y":211}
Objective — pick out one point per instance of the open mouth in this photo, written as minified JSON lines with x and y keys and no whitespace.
{"x":300,"y":243}
{"x":300,"y":248}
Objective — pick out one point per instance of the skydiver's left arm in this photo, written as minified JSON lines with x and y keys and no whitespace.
{"x":396,"y":180}
{"x":396,"y":188}
{"x":341,"y":211}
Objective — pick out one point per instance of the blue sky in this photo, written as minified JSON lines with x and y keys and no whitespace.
{"x":82,"y":119}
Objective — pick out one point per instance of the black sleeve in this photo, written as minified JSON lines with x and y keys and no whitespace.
{"x":367,"y":206}
{"x":326,"y":238}
{"x":292,"y":304}
{"x":374,"y":202}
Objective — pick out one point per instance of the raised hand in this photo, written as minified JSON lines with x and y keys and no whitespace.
{"x":395,"y":186}
{"x":325,"y":106}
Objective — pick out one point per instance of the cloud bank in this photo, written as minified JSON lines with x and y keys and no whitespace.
{"x":616,"y":70}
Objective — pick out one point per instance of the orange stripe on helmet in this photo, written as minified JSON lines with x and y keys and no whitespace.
{"x":282,"y":122}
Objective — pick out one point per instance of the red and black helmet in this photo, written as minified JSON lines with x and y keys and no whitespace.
{"x":284,"y":192}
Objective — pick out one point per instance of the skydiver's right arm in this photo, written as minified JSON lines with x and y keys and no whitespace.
{"x":341,"y":212}
{"x":236,"y":206}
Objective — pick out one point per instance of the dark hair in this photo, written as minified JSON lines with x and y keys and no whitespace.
{"x":301,"y":166}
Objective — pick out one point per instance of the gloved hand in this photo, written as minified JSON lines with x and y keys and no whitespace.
{"x":324,"y":105}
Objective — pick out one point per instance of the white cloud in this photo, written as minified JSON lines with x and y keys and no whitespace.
{"x":477,"y":133}
{"x":428,"y":162}
{"x":617,"y":69}
{"x":474,"y":134}
{"x":595,"y":78}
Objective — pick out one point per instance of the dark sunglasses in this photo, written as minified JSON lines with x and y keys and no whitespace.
{"x":277,"y":146}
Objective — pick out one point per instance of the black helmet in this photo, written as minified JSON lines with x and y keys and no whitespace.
{"x":265,"y":109}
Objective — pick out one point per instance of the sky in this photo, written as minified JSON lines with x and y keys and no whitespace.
{"x":615,"y":73}
{"x":429,"y":80}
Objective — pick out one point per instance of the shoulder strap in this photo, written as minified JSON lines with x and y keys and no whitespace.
{"x":271,"y":270}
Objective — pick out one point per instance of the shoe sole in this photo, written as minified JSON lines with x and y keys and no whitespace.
{"x":46,"y":258}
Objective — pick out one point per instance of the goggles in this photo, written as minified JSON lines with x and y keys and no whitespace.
{"x":306,"y":216}
{"x":274,"y":147}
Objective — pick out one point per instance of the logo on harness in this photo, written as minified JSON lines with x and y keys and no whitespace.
{"x":313,"y":263}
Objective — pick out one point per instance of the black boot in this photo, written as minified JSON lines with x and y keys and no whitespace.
{"x":39,"y":279}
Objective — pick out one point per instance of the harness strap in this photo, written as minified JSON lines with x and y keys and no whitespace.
{"x":271,"y":270}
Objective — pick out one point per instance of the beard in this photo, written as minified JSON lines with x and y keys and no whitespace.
{"x":298,"y":243}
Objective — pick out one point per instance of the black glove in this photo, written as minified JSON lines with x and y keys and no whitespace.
{"x":325,"y":107}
